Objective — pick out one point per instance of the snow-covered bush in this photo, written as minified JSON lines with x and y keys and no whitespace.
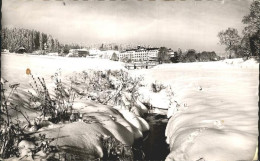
{"x":13,"y":137}
{"x":115,"y":88}
{"x":10,"y":133}
{"x":157,"y":87}
{"x":57,"y":108}
{"x":115,"y":150}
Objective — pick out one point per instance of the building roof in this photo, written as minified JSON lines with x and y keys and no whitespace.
{"x":141,"y":49}
{"x":21,"y":48}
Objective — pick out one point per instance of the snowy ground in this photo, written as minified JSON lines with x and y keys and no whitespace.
{"x":82,"y":139}
{"x":216,"y":120}
{"x":14,"y":65}
{"x":219,"y":120}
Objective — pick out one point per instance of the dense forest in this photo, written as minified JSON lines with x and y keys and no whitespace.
{"x":31,"y":40}
{"x":14,"y":39}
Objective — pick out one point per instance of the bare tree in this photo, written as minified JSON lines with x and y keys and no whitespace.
{"x":231,"y":40}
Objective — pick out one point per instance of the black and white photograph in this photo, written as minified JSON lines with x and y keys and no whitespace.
{"x":129,"y":80}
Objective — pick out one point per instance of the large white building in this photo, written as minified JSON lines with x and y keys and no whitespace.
{"x":139,"y":54}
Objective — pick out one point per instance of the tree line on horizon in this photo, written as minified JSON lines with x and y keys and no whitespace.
{"x":190,"y":55}
{"x":32,"y":41}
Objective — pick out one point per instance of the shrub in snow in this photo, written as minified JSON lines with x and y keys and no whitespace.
{"x":115,"y":88}
{"x":57,"y":108}
{"x":162,"y":100}
{"x":10,"y":133}
{"x":15,"y":140}
{"x":115,"y":150}
{"x":157,"y":87}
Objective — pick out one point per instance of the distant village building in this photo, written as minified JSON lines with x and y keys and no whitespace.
{"x":4,"y":51}
{"x":21,"y":50}
{"x":139,"y":54}
{"x":78,"y":53}
{"x":92,"y":53}
{"x":83,"y":52}
{"x":153,"y":54}
{"x":171,"y":53}
{"x":126,"y":55}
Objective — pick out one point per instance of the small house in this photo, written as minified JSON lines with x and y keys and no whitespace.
{"x":21,"y":50}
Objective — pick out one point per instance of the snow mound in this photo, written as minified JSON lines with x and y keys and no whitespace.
{"x":136,"y":121}
{"x":78,"y":138}
{"x":110,"y":123}
{"x":108,"y":115}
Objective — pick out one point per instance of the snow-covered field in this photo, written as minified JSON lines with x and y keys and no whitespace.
{"x":217,"y":118}
{"x":14,"y":65}
{"x":82,"y":139}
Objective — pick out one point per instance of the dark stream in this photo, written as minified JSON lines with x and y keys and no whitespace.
{"x":154,"y":146}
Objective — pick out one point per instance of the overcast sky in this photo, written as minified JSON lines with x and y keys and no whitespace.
{"x":176,"y":24}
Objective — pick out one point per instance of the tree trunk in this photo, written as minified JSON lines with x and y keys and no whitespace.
{"x":252,"y":46}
